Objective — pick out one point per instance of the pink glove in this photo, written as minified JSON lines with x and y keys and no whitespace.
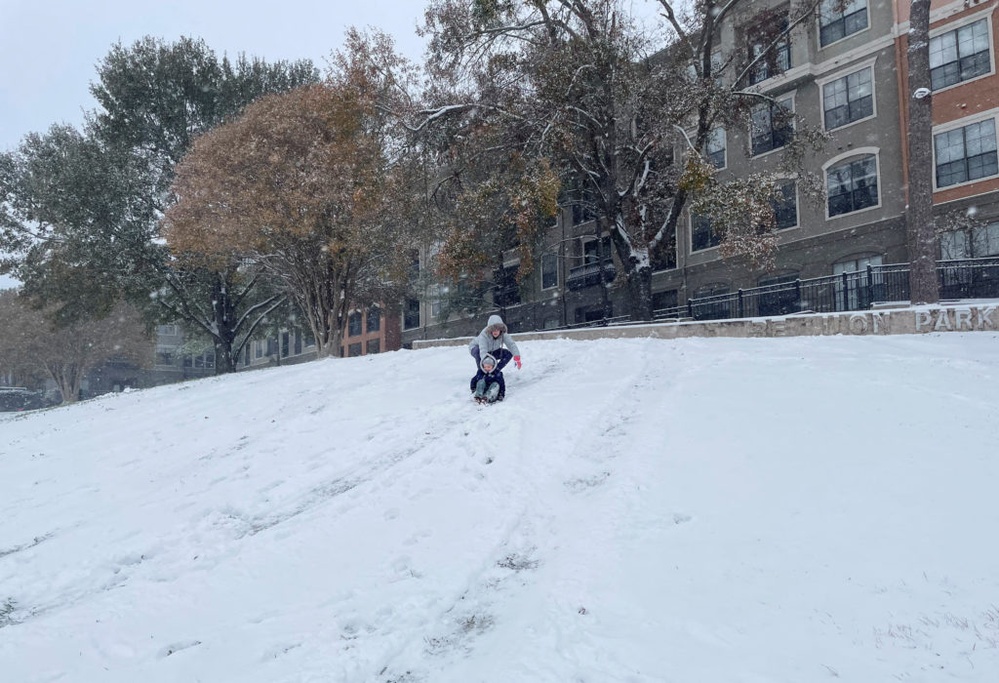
{"x":516,"y":361}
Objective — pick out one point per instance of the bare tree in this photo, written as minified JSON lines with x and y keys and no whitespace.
{"x":67,"y":354}
{"x":575,"y":83}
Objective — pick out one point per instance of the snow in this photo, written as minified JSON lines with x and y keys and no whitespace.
{"x":692,"y":511}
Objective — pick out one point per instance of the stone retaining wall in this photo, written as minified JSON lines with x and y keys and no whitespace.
{"x":972,"y":317}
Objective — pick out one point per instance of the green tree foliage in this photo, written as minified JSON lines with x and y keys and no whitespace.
{"x":156,"y":97}
{"x":76,"y":220}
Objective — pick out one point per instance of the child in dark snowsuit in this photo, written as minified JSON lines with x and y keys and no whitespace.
{"x":488,"y":384}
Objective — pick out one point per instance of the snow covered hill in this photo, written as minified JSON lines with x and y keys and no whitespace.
{"x":692,"y":511}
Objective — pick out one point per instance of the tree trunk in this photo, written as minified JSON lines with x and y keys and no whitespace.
{"x":640,"y":291}
{"x":224,"y":315}
{"x":924,"y":287}
{"x":602,"y":273}
{"x":68,"y":380}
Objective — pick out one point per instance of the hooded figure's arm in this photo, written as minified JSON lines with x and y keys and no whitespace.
{"x":510,"y":344}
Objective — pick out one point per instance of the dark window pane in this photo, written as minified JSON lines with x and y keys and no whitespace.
{"x":411,"y":314}
{"x":374,"y":319}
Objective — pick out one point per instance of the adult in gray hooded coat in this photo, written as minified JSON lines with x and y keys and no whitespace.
{"x":495,"y":341}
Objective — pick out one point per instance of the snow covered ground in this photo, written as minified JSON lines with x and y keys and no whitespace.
{"x":692,"y":511}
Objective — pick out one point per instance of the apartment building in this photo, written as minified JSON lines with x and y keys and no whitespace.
{"x":844,"y":72}
{"x":963,"y":37}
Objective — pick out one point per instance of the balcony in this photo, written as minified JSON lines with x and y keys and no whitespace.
{"x":588,"y":275}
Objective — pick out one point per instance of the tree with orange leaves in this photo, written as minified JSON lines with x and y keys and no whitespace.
{"x":303,"y":185}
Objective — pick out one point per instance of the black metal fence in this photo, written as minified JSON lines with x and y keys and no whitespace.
{"x":850,"y":291}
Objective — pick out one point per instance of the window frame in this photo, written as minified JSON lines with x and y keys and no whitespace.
{"x":782,"y":62}
{"x":842,"y":17}
{"x":970,"y":237}
{"x":408,"y":311}
{"x":714,"y":241}
{"x":549,"y":257}
{"x":961,"y":125}
{"x":714,"y":135}
{"x":772,"y":132}
{"x":794,"y":197}
{"x":373,"y":313}
{"x":355,"y":322}
{"x":848,"y":159}
{"x":937,"y":34}
{"x":845,"y":76}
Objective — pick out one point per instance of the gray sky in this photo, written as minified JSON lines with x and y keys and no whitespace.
{"x":49,"y":49}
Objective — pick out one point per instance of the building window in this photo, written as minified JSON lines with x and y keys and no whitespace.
{"x":592,"y":250}
{"x":436,"y":302}
{"x":771,"y":125}
{"x":164,"y":358}
{"x":848,"y":99}
{"x":852,"y":186}
{"x":715,"y":148}
{"x":959,"y":55}
{"x":980,"y":241}
{"x":839,"y":19}
{"x":354,"y":350}
{"x":663,"y":257}
{"x":167,"y":330}
{"x":354,"y":324}
{"x":201,"y":361}
{"x":507,"y":289}
{"x":702,"y":235}
{"x":549,"y":271}
{"x":786,"y":206}
{"x":583,"y":205}
{"x":285,"y":344}
{"x":298,"y":342}
{"x":411,"y":314}
{"x":414,"y":264}
{"x":374,"y":321}
{"x":966,"y":154}
{"x":373,"y":346}
{"x":851,"y":296}
{"x":774,"y":58}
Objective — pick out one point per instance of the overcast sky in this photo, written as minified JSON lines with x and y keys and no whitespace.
{"x":50,"y":49}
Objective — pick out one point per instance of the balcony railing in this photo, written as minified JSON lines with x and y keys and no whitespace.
{"x":588,"y":275}
{"x":850,"y":291}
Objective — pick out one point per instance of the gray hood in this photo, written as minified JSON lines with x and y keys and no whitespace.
{"x":487,"y":358}
{"x":496,"y":322}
